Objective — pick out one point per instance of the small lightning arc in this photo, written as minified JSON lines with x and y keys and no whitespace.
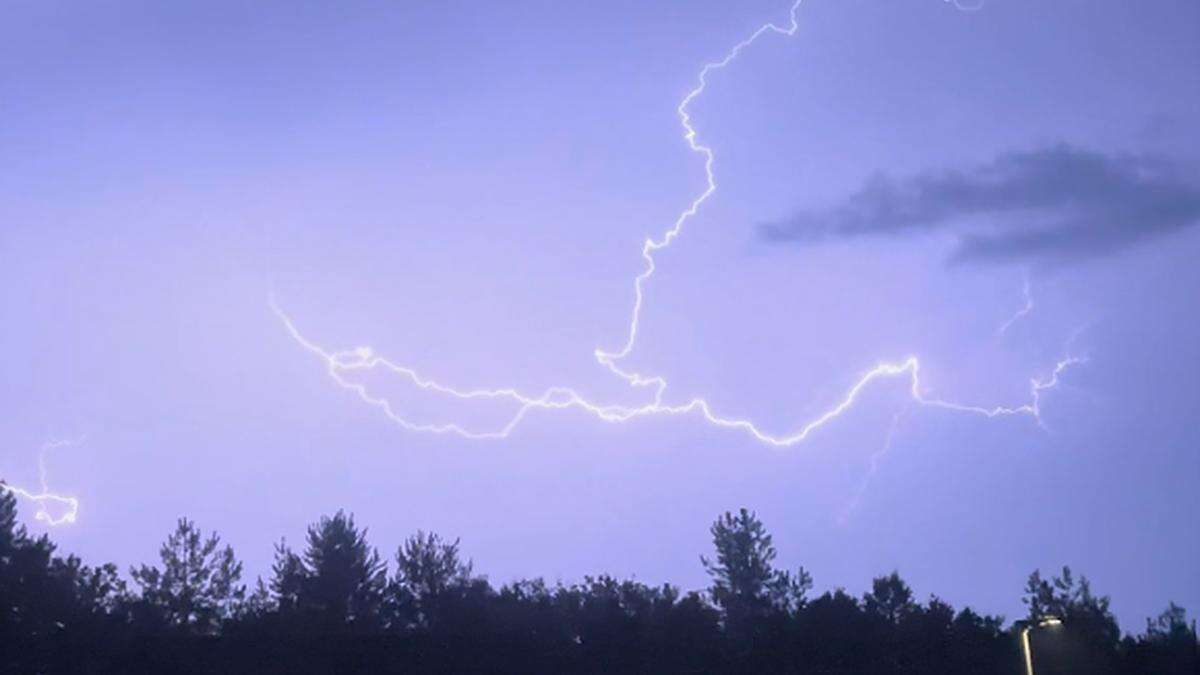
{"x":873,"y":466}
{"x":340,"y":364}
{"x":44,"y":497}
{"x":1036,"y":387}
{"x":968,"y":6}
{"x":1027,"y":291}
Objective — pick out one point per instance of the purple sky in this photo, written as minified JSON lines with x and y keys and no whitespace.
{"x":465,"y":187}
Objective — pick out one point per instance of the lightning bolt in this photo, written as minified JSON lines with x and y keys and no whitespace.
{"x":342,"y":365}
{"x":69,"y":505}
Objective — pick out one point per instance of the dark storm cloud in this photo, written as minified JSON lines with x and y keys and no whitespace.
{"x":1055,"y":202}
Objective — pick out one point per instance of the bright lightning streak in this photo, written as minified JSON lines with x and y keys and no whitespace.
{"x":610,"y":359}
{"x":341,"y":364}
{"x":69,"y":505}
{"x":558,"y":398}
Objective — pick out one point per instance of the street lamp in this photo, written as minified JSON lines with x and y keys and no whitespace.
{"x":1044,"y":622}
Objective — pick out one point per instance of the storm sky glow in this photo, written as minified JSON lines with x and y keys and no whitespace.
{"x":465,"y":186}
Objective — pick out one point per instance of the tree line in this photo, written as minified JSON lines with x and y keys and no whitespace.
{"x":338,"y":606}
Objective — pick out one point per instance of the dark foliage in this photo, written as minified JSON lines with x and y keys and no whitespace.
{"x":332,"y":608}
{"x":197,"y":586}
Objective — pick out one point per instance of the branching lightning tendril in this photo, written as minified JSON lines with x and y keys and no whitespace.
{"x":872,"y":466}
{"x":44,"y":497}
{"x":1027,"y":292}
{"x":968,"y":6}
{"x":341,"y":364}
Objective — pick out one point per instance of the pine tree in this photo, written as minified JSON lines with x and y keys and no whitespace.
{"x":746,"y":585}
{"x":197,"y":586}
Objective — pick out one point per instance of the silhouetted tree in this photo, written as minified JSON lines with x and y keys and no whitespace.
{"x":48,"y":604}
{"x":979,"y":644}
{"x":433,"y":588}
{"x":1171,"y":626}
{"x":288,"y":577}
{"x":197,"y":586}
{"x":629,"y":626}
{"x":836,"y":635}
{"x":1088,"y":637}
{"x":527,"y":616}
{"x":332,"y":608}
{"x":1169,"y":645}
{"x":746,"y":586}
{"x":25,"y":581}
{"x":11,"y":534}
{"x":339,"y":581}
{"x":889,"y":599}
{"x":901,"y":631}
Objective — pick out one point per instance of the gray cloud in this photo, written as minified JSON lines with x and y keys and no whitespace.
{"x":1056,"y":202}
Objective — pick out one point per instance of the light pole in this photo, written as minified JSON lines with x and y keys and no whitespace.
{"x":1043,"y":622}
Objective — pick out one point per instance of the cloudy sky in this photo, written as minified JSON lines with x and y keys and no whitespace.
{"x":465,"y":188}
